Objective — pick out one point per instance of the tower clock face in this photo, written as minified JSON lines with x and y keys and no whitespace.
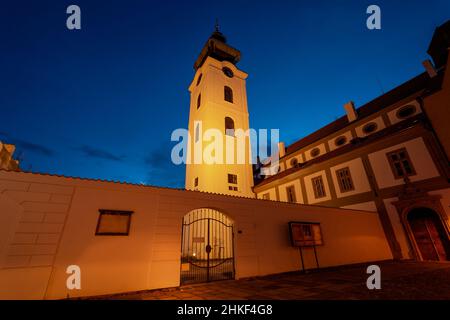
{"x":228,"y":72}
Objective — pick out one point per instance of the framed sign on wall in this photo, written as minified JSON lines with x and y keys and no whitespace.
{"x":305,"y":234}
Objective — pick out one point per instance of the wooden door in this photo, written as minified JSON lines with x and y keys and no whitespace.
{"x":429,"y":234}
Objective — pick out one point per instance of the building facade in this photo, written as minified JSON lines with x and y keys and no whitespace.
{"x":388,"y":156}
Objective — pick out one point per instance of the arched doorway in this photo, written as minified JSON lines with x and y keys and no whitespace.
{"x":429,"y":234}
{"x":207,"y":252}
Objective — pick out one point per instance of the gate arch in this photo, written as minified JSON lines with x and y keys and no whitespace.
{"x":207,"y":247}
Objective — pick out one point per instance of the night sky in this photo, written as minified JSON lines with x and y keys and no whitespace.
{"x":102,"y":102}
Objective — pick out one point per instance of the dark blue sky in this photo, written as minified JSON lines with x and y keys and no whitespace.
{"x":102,"y":102}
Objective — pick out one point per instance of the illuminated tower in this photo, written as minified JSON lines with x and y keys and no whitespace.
{"x":219,"y":101}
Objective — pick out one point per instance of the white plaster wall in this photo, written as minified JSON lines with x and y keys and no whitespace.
{"x":11,"y":212}
{"x":301,"y":158}
{"x":149,"y":257}
{"x":420,"y":158}
{"x":272,"y":194}
{"x":35,"y":217}
{"x":365,"y":206}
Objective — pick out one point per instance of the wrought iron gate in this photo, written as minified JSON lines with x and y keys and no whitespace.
{"x":207,"y":252}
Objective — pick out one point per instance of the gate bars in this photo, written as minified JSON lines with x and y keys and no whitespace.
{"x":207,"y":252}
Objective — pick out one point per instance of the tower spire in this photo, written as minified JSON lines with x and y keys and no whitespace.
{"x":216,"y":46}
{"x":216,"y":26}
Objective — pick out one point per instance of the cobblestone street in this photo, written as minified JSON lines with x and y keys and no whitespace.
{"x":399,"y":280}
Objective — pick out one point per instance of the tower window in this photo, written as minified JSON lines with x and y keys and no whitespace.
{"x":197,"y":132}
{"x":199,"y":101}
{"x":228,"y":72}
{"x":196,"y":182}
{"x":199,"y":78}
{"x":290,"y":193}
{"x":401,"y":164}
{"x":318,"y":187}
{"x":345,"y":180}
{"x":228,"y":94}
{"x":232,"y":181}
{"x":229,"y":126}
{"x":232,"y":178}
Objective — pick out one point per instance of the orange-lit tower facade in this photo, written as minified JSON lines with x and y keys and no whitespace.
{"x":219,"y":164}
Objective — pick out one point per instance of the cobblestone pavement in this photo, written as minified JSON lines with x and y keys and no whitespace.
{"x":399,"y":280}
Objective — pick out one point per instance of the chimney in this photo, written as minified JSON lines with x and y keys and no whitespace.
{"x":351,"y":112}
{"x":281,"y":149}
{"x":428,"y":65}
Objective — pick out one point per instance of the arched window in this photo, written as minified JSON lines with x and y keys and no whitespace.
{"x":199,"y":100}
{"x":229,"y":126}
{"x":228,"y":93}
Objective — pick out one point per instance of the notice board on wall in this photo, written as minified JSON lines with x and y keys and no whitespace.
{"x":305,"y":234}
